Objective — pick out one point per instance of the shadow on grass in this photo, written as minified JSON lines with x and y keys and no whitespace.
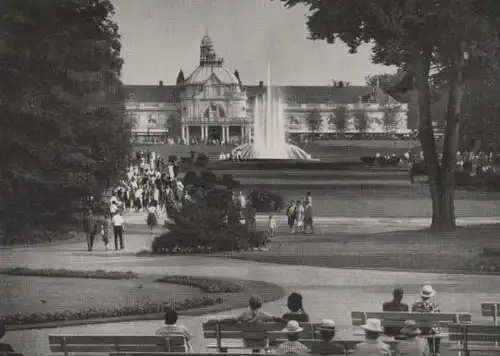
{"x":467,"y":249}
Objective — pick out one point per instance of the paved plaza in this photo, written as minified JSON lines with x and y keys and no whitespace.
{"x":327,"y":292}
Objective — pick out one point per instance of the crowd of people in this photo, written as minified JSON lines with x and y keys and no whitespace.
{"x":412,"y":340}
{"x":150,"y":184}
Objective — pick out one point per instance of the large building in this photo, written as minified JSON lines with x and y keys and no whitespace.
{"x":213,"y":104}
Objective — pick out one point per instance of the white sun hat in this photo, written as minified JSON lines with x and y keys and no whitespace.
{"x":327,"y":325}
{"x":292,"y":327}
{"x":374,"y":325}
{"x":427,"y":291}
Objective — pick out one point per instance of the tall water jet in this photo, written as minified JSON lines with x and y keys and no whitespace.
{"x":269,"y":141}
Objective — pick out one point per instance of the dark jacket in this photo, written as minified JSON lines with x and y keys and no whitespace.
{"x":89,"y":224}
{"x":394,"y":306}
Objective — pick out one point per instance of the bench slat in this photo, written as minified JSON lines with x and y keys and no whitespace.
{"x":254,"y":334}
{"x":246,"y":326}
{"x":110,"y":348}
{"x":441,"y":318}
{"x":488,"y":309}
{"x":175,"y":340}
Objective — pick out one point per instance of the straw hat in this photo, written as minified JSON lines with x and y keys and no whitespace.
{"x":327,"y":325}
{"x":427,"y":291}
{"x":410,"y":328}
{"x":292,"y":327}
{"x":374,"y":325}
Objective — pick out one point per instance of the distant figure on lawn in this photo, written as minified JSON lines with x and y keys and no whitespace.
{"x":297,"y":312}
{"x":89,"y":228}
{"x":290,"y":213}
{"x":171,"y":327}
{"x":106,"y":231}
{"x":328,"y":346}
{"x":395,"y":305}
{"x":3,"y":346}
{"x":308,"y":219}
{"x":299,"y":218}
{"x":118,"y":228}
{"x":372,"y":346}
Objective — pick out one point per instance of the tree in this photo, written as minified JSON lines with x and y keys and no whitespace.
{"x":454,"y":38}
{"x":62,"y":108}
{"x":174,"y":125}
{"x":339,"y":118}
{"x":340,"y":83}
{"x":314,"y":121}
{"x":180,"y":78}
{"x":360,"y":120}
{"x":390,"y":118}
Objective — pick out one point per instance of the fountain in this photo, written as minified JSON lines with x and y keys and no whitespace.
{"x":269,"y":140}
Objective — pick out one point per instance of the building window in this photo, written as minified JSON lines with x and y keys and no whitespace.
{"x":214,"y":112}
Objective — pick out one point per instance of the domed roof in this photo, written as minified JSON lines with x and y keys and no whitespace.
{"x":206,"y":41}
{"x":201,"y":74}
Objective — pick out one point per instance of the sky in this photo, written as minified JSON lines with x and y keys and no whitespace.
{"x":160,"y":37}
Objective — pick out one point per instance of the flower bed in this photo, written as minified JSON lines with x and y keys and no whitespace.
{"x":62,"y":272}
{"x":207,"y":285}
{"x":86,"y":314}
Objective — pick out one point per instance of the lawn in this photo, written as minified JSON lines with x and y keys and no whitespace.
{"x":461,"y":250}
{"x":50,"y":294}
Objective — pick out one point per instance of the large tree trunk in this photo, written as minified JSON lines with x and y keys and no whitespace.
{"x":449,"y":161}
{"x":426,"y":134}
{"x":441,"y":175}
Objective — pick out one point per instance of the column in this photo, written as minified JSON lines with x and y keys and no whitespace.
{"x":183,"y":132}
{"x":242,"y":133}
{"x":226,"y":133}
{"x":188,"y":142}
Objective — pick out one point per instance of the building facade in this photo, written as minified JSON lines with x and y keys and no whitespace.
{"x":213,"y":104}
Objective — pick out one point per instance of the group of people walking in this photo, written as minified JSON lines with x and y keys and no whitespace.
{"x":300,"y":216}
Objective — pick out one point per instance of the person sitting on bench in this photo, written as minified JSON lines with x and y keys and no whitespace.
{"x":412,"y":345}
{"x":395,"y":305}
{"x":3,"y":346}
{"x":294,"y":303}
{"x":292,"y":345}
{"x":171,"y":327}
{"x":328,"y":346}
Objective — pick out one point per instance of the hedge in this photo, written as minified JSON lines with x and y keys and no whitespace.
{"x":86,"y":314}
{"x":207,"y":285}
{"x":62,"y":272}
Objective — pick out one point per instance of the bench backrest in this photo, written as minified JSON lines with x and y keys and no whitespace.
{"x":347,"y":344}
{"x":5,"y":353}
{"x":110,"y":343}
{"x":474,"y":333}
{"x":255,"y":335}
{"x":492,"y":310}
{"x":397,"y":319}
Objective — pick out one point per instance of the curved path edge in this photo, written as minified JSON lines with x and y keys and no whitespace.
{"x":268,"y":292}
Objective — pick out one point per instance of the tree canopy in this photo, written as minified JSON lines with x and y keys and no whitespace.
{"x":63,"y":128}
{"x":453,"y":39}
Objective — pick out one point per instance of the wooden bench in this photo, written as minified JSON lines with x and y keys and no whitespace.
{"x":121,"y":344}
{"x":483,"y":337}
{"x":397,"y":319}
{"x":225,"y":335}
{"x":5,"y":353}
{"x":349,"y":345}
{"x":491,"y":310}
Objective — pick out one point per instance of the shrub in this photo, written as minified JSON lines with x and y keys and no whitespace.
{"x":62,"y":272}
{"x":209,"y":222}
{"x":186,"y":160}
{"x":172,"y":158}
{"x":265,"y":201}
{"x":207,"y":285}
{"x":229,"y":182}
{"x":86,"y":314}
{"x":208,"y":177}
{"x":190,"y":178}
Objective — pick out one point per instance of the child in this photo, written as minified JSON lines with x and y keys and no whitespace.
{"x":272,"y":226}
{"x":106,"y":231}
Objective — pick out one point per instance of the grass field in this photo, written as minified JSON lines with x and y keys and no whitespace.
{"x":407,"y":250}
{"x":47,"y":295}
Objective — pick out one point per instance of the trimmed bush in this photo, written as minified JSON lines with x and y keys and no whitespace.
{"x":86,"y":314}
{"x":207,"y":223}
{"x":65,"y":273}
{"x":264,"y":201}
{"x":190,"y":178}
{"x":207,"y":285}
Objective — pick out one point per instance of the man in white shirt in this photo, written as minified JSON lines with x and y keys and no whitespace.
{"x":118,"y":227}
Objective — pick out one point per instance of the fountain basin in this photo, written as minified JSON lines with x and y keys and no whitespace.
{"x":289,"y":152}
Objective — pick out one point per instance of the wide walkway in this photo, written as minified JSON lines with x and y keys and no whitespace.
{"x":327,"y":292}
